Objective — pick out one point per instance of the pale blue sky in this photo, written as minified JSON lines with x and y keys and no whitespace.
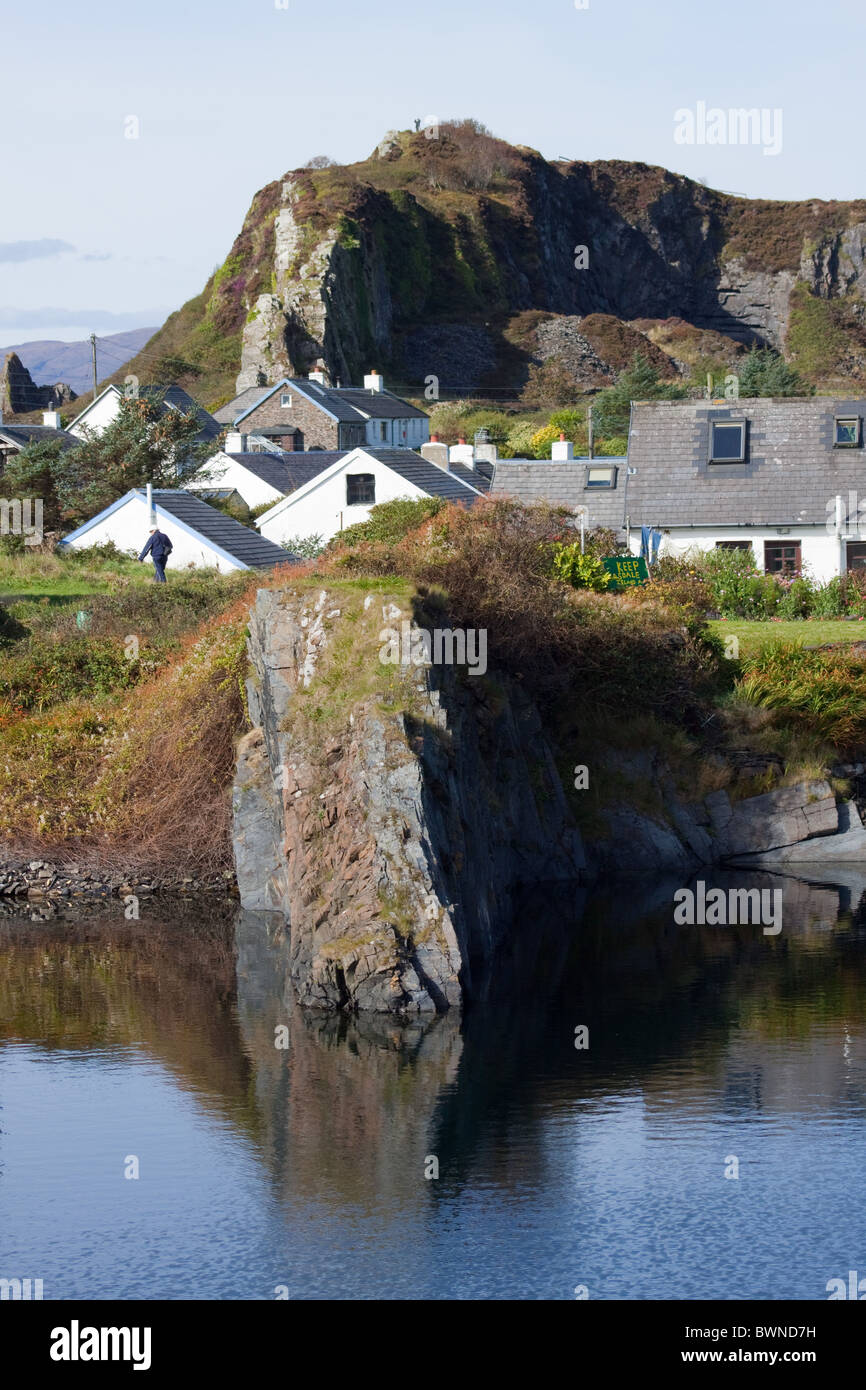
{"x":231,"y":94}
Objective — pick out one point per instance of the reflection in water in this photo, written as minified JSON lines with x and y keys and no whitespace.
{"x":306,"y":1165}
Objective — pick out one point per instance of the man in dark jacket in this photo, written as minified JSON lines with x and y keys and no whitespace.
{"x":159,"y":547}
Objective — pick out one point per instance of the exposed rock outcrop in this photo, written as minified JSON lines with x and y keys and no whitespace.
{"x":392,"y":841}
{"x":461,"y":233}
{"x":391,"y":819}
{"x":19,"y":393}
{"x":800,"y":824}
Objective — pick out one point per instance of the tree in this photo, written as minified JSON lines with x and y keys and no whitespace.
{"x":611,"y":411}
{"x":32,"y":473}
{"x":764,"y":372}
{"x":143,"y":444}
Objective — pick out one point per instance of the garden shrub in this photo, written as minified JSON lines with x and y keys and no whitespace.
{"x":827,"y":600}
{"x":797,"y":598}
{"x":579,"y":570}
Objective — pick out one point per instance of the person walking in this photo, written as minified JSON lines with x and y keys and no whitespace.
{"x":159,"y":547}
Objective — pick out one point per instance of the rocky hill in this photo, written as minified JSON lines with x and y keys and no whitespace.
{"x":468,"y":259}
{"x":19,"y":394}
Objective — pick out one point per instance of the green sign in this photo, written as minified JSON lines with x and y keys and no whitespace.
{"x":626,"y":571}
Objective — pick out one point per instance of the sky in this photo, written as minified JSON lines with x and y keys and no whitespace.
{"x":100,"y":232}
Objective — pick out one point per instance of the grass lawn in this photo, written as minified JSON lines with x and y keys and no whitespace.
{"x":54,"y":577}
{"x":812,"y":632}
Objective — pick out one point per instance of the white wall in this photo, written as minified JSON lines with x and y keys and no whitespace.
{"x":100,"y":416}
{"x":322,"y":510}
{"x":819,"y":551}
{"x":223,"y":471}
{"x":399,"y":434}
{"x":129,"y":528}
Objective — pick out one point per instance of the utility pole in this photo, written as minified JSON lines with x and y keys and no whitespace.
{"x":93,"y":359}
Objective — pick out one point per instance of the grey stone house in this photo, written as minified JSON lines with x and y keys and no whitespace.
{"x":305,"y":413}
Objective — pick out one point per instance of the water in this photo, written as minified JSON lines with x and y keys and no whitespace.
{"x":303,"y":1170}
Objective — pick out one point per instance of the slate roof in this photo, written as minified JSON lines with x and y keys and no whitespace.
{"x":380,"y":405}
{"x":563,"y":482}
{"x":348,"y":404}
{"x":290,"y":469}
{"x":176,"y":396}
{"x":414,"y":468}
{"x":228,"y":413}
{"x":239,"y":541}
{"x":790,"y":474}
{"x":479,"y":477}
{"x":27,"y":434}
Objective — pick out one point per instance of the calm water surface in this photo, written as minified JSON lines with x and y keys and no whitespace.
{"x":305,"y":1167}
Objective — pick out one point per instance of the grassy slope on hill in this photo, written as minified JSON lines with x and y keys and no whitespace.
{"x":118,"y":738}
{"x":126,"y":753}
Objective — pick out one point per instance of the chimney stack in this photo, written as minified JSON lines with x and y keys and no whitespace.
{"x":373,"y":382}
{"x":562,"y":448}
{"x":51,"y":419}
{"x":236,"y":443}
{"x":318,"y":374}
{"x":462,"y":453}
{"x":435,"y":452}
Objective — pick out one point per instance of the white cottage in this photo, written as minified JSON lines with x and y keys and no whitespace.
{"x":783,"y":477}
{"x":261,"y":477}
{"x":359,"y":479}
{"x":102,"y":411}
{"x":202,"y":537}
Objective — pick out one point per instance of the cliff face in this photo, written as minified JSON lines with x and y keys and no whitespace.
{"x":391,"y":833}
{"x":425,"y":259}
{"x":391,"y":813}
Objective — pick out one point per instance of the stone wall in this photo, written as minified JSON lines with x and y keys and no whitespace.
{"x":318,"y":429}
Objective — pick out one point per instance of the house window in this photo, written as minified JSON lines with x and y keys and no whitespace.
{"x":360,"y":489}
{"x":285,"y":399}
{"x":600,"y":477}
{"x":383,"y":429}
{"x":727,"y":441}
{"x":846,"y":434}
{"x":733,"y":545}
{"x":781,"y":557}
{"x":856,"y":555}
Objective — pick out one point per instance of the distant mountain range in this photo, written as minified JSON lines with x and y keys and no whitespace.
{"x":49,"y":361}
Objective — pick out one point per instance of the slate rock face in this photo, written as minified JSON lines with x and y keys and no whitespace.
{"x":787,"y":816}
{"x":394,"y":842}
